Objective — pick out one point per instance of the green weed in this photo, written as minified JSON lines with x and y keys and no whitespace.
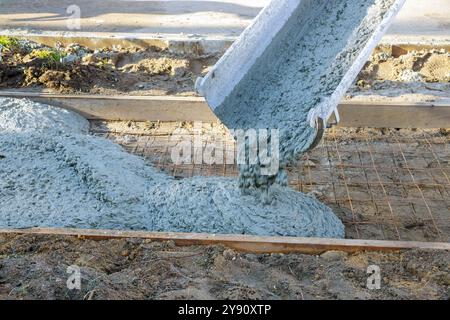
{"x":52,"y":56}
{"x":9,"y":42}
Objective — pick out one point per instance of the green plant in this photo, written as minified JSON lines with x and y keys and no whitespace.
{"x":9,"y":42}
{"x":103,"y":63}
{"x":51,"y":55}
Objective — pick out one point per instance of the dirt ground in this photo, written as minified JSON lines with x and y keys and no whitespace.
{"x":76,"y":69}
{"x":400,"y":65}
{"x":35,"y":267}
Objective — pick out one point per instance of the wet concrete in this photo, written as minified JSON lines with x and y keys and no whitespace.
{"x":54,"y":174}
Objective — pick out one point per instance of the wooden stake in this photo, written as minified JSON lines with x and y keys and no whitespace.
{"x":243,"y":243}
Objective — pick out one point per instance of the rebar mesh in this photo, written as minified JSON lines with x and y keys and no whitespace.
{"x":383,"y":184}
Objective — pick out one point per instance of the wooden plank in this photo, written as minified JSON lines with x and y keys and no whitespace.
{"x":176,"y":43}
{"x":134,"y":108}
{"x":185,"y":44}
{"x":375,"y":114}
{"x":243,"y":243}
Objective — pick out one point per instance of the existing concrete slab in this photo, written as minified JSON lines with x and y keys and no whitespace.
{"x":175,"y":20}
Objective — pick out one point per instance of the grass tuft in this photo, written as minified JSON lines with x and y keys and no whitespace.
{"x":9,"y":42}
{"x":51,"y":55}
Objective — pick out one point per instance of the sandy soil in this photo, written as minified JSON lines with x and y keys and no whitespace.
{"x":34,"y":267}
{"x":416,"y":66}
{"x":390,"y":73}
{"x":129,"y":71}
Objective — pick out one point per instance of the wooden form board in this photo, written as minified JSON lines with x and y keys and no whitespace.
{"x":186,"y":44}
{"x":134,"y":108}
{"x":375,"y":114}
{"x":182,"y":44}
{"x":243,"y":243}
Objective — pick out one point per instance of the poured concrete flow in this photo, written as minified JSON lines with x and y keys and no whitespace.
{"x":54,"y":174}
{"x":307,"y":68}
